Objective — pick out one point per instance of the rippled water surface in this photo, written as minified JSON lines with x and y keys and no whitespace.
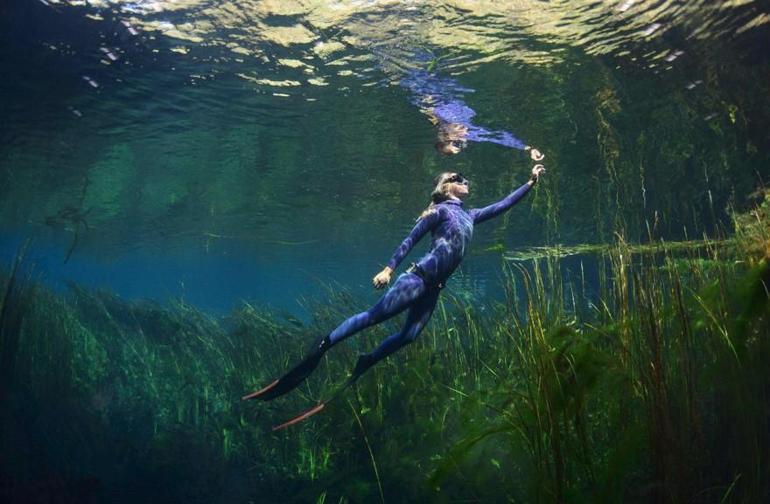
{"x":249,"y":149}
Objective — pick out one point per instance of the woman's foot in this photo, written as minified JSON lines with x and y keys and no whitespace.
{"x":363,"y":363}
{"x":296,"y":375}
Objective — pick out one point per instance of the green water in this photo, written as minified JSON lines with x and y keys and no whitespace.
{"x":208,"y":186}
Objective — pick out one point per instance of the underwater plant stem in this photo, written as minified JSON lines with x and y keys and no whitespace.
{"x":371,"y":453}
{"x":11,"y":316}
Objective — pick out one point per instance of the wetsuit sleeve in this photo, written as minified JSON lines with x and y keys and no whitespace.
{"x":495,"y":209}
{"x":425,"y":224}
{"x":504,"y":138}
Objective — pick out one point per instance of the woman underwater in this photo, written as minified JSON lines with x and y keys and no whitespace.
{"x":451,"y":228}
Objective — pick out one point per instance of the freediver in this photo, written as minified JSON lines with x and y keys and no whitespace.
{"x":418,"y":288}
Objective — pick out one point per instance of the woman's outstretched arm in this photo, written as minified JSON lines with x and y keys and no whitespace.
{"x":423,"y":225}
{"x":495,"y":209}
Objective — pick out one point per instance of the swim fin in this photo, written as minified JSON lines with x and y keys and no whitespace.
{"x":295,"y":376}
{"x":364,"y":362}
{"x":315,"y":409}
{"x":312,"y":411}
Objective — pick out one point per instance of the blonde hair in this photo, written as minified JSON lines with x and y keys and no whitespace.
{"x":444,"y":148}
{"x":440,"y":193}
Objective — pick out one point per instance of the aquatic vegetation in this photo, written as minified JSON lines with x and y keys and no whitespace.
{"x":16,"y":293}
{"x":752,"y":229}
{"x":640,"y":379}
{"x":639,"y":383}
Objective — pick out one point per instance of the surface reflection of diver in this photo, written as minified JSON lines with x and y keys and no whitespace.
{"x":441,"y":99}
{"x":417,"y":289}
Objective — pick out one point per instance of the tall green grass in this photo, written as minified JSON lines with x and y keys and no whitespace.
{"x":625,"y":374}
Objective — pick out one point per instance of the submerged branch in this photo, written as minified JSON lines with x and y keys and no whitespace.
{"x":556,"y":251}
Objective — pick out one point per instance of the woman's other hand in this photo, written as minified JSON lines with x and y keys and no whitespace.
{"x":537,"y":170}
{"x":535,"y":154}
{"x":382,"y":278}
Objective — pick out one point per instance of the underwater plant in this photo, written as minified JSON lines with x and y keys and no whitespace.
{"x":635,"y":373}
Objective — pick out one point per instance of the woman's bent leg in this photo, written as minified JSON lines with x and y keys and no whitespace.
{"x":407,"y":288}
{"x":416,"y":320}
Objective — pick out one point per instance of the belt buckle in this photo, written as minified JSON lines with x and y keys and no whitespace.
{"x":415,"y":268}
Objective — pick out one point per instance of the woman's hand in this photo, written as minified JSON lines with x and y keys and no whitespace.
{"x":382,"y":278}
{"x":535,"y":154}
{"x":537,"y":170}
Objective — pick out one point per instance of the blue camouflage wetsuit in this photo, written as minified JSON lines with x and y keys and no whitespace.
{"x":451,"y":228}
